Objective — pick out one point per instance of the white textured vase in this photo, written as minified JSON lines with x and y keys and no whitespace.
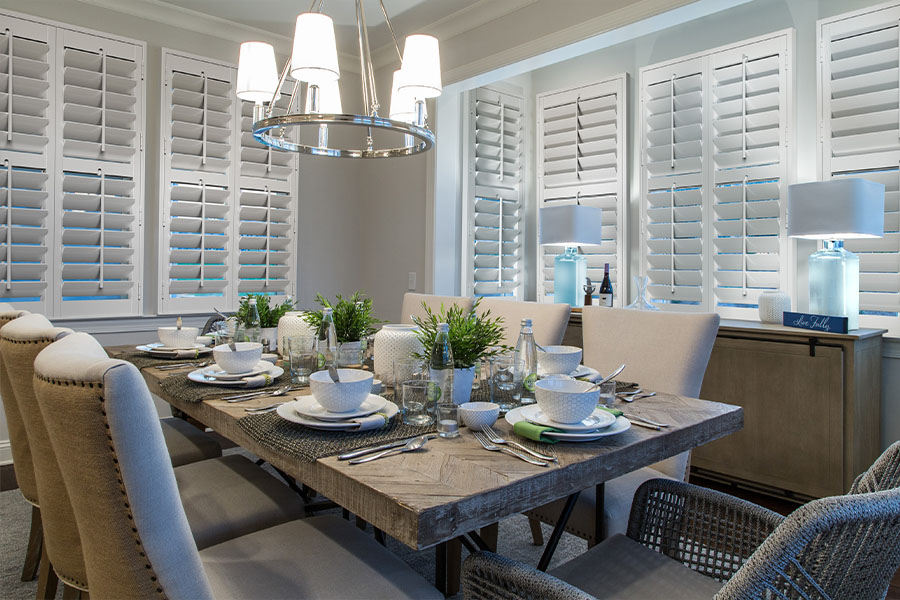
{"x":290,"y":325}
{"x":394,"y":342}
{"x":772,"y":306}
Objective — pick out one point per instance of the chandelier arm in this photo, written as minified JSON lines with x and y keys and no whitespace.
{"x":294,"y":92}
{"x":369,"y":70}
{"x":387,"y":19}
{"x":362,"y":56}
{"x":284,"y":72}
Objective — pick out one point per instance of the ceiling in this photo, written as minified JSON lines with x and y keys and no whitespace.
{"x":278,"y":16}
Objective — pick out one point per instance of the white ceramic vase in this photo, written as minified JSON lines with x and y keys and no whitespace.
{"x":772,"y":306}
{"x":290,"y":325}
{"x":394,"y":342}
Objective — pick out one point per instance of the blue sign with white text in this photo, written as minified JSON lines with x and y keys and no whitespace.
{"x":826,"y":323}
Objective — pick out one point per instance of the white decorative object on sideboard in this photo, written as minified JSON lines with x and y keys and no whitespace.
{"x":394,"y":342}
{"x":291,"y":324}
{"x":772,"y":306}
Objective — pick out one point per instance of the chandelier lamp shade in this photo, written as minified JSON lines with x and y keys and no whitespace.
{"x":314,"y":62}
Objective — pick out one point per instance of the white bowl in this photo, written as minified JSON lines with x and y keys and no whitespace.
{"x":206,"y":340}
{"x":354,"y":387}
{"x":557,"y":376}
{"x":377,"y":386}
{"x":478,"y":414}
{"x":566,"y":401}
{"x":559,"y":359}
{"x":173,"y":337}
{"x":241,"y":360}
{"x":270,"y":357}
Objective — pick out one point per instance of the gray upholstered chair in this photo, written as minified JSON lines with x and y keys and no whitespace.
{"x":412,"y":304}
{"x":666,"y":352}
{"x":135,"y":533}
{"x":549,"y":320}
{"x":686,"y":542}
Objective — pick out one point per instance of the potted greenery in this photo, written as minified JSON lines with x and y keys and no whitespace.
{"x":268,"y":315}
{"x":353,"y":318}
{"x":473,"y":337}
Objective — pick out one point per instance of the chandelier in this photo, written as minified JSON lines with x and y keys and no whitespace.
{"x":314,"y":61}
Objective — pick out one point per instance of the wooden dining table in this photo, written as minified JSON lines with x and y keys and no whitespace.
{"x":454,"y":487}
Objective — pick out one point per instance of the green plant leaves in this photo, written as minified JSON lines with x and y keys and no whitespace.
{"x":472,"y":336}
{"x":353,"y":318}
{"x":268,"y":315}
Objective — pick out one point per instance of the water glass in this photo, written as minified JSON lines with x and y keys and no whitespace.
{"x":416,"y":405}
{"x":351,"y":355}
{"x":607,"y":394}
{"x":408,"y":369}
{"x":448,"y":420}
{"x":505,"y":377}
{"x":303,"y":357}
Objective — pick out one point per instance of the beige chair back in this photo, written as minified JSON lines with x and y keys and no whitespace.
{"x":106,"y":433}
{"x":412,"y":304}
{"x":21,"y":341}
{"x":664,"y":351}
{"x":548,"y":320}
{"x":18,"y":439}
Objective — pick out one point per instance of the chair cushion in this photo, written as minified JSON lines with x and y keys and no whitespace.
{"x":616,"y":507}
{"x":186,"y":443}
{"x":230,"y":496}
{"x":318,"y":557}
{"x":623,"y":569}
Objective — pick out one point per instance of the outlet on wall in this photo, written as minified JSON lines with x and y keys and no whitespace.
{"x":411,"y":285}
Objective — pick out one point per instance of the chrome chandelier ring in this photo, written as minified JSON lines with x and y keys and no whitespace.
{"x":423,"y":138}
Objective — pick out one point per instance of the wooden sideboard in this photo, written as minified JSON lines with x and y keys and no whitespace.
{"x":812,"y":407}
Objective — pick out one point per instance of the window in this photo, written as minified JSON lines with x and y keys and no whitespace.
{"x":228,"y":212}
{"x":860,"y":137}
{"x":71,"y":170}
{"x":581,"y":158}
{"x":713,"y":176}
{"x":495,"y":194}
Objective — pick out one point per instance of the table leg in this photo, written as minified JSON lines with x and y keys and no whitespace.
{"x":489,"y":535}
{"x":440,"y":567}
{"x":600,"y":532}
{"x":454,"y":566}
{"x":557,"y":532}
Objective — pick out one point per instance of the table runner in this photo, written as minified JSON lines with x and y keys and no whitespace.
{"x":181,"y":388}
{"x":142,"y":360}
{"x":309,"y":445}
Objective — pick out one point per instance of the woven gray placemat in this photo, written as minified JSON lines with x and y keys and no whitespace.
{"x":179,"y":387}
{"x":142,"y":360}
{"x":309,"y":445}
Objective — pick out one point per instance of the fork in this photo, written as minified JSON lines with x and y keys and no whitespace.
{"x":495,"y":438}
{"x":489,"y":446}
{"x":183,"y":365}
{"x":263,"y":409}
{"x":251,"y":395}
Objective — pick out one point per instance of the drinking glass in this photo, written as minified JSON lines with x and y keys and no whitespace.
{"x":303,"y":356}
{"x":506,"y":374}
{"x":416,"y":404}
{"x":408,"y":369}
{"x":351,"y":355}
{"x":607,"y":394}
{"x":448,"y":420}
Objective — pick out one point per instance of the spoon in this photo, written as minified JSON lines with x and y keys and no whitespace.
{"x":607,"y":378}
{"x":412,"y":445}
{"x":263,"y":409}
{"x":249,"y":396}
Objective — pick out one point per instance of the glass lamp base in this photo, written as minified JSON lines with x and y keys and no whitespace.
{"x":569,"y":272}
{"x":834,"y":283}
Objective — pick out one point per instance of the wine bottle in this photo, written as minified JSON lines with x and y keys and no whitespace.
{"x":606,"y":289}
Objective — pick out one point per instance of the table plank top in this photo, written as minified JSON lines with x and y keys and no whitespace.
{"x":454,"y":486}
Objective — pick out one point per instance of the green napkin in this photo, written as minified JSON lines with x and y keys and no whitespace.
{"x":613,"y":411}
{"x":533,"y":431}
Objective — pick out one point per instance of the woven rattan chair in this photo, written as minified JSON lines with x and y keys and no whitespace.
{"x":686,"y":542}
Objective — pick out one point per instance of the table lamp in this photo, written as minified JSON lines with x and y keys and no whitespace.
{"x":570,"y":225}
{"x":833,"y":211}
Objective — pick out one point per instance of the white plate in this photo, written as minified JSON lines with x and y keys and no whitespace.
{"x":157,"y":349}
{"x":217,"y":372}
{"x":585,"y":372}
{"x":198,"y":376}
{"x":287,"y":412}
{"x":308,"y":406}
{"x":621,"y":424}
{"x":597,"y":420}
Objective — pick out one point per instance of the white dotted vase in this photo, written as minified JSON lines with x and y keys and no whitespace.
{"x":290,"y":325}
{"x":772,"y":306}
{"x":394,"y":342}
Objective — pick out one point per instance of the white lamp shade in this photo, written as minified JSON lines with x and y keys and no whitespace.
{"x":572,"y":225}
{"x":838,"y":209}
{"x":314,"y":58}
{"x":257,"y":77}
{"x":421,"y":66}
{"x":329,"y":98}
{"x":403,"y":103}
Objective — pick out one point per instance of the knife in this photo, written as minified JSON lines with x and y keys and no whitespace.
{"x":387,"y":446}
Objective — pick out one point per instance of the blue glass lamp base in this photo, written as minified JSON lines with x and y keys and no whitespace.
{"x":834,"y":283}
{"x":569,"y":273}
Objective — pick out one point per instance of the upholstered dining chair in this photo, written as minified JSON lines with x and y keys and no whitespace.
{"x":412,"y":304}
{"x":135,"y":534}
{"x":663,"y":351}
{"x":684,"y":541}
{"x":548,"y":320}
{"x":224,"y":497}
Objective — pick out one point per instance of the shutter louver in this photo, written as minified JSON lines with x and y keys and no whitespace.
{"x":861,"y":137}
{"x":197,"y":186}
{"x":26,"y":182}
{"x":497,"y":204}
{"x":101,"y":176}
{"x":581,"y":150}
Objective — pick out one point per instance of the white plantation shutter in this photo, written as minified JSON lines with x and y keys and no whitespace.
{"x":197,"y":185}
{"x":495,"y":218}
{"x":26,"y":163}
{"x":101,"y":186}
{"x":714,"y":152}
{"x":581,"y":157}
{"x":860,"y":137}
{"x":266,"y":220}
